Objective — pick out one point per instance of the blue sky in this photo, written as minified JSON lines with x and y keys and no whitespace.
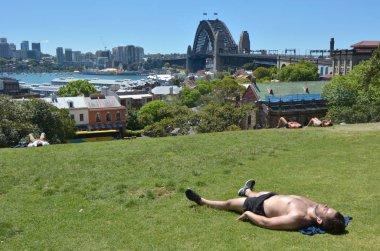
{"x":169,"y":26}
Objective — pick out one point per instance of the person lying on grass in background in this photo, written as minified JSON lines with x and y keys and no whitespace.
{"x":282,"y":122}
{"x":38,"y":142}
{"x":278,"y":212}
{"x":316,"y":122}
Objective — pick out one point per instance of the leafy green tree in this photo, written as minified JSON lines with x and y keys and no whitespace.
{"x":303,"y":71}
{"x":263,"y":74}
{"x":20,"y":118}
{"x":173,"y":117}
{"x":150,"y":113}
{"x":228,"y":88}
{"x":189,"y":97}
{"x":204,"y":86}
{"x":76,"y":88}
{"x":14,"y":125}
{"x":250,"y":66}
{"x":56,"y":123}
{"x":215,"y":117}
{"x":355,"y":97}
{"x":132,"y":121}
{"x":3,"y":61}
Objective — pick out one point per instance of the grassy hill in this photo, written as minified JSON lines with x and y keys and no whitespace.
{"x":128,"y":195}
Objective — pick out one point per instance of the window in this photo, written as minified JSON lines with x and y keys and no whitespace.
{"x":98,"y":117}
{"x":81,"y":117}
{"x":118,"y":116}
{"x":72,"y":116}
{"x":71,"y":104}
{"x":108,"y":116}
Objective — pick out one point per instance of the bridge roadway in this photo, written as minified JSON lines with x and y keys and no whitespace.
{"x":279,"y":60}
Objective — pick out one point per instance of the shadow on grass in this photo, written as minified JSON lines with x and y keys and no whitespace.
{"x":7,"y":230}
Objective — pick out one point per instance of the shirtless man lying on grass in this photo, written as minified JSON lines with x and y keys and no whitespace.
{"x":279,"y":212}
{"x":282,"y":122}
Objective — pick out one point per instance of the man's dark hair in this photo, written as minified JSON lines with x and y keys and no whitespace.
{"x":334,"y":225}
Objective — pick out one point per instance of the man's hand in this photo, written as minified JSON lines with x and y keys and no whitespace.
{"x":242,"y":217}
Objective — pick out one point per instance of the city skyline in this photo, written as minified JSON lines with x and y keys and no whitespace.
{"x":169,"y":26}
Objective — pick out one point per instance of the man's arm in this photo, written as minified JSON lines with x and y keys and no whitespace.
{"x":284,"y":222}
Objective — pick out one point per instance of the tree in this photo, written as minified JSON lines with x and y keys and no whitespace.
{"x":55,"y":122}
{"x":228,"y":88}
{"x":14,"y":125}
{"x":204,"y":86}
{"x":150,"y":113}
{"x":303,"y":71}
{"x":189,"y":97}
{"x":263,"y":74}
{"x":250,"y":66}
{"x":215,"y":117}
{"x":180,"y":117}
{"x":19,"y":118}
{"x":132,"y":122}
{"x":76,"y":88}
{"x":355,"y":97}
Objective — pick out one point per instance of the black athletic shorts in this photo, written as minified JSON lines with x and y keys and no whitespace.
{"x":256,"y":204}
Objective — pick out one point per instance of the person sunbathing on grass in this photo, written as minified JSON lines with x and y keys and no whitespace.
{"x":282,"y":122}
{"x":38,"y":142}
{"x":278,"y":212}
{"x":317,"y":122}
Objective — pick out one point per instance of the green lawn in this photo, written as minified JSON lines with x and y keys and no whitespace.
{"x":128,"y":195}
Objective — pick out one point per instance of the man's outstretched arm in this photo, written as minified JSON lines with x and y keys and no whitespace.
{"x":285,"y":222}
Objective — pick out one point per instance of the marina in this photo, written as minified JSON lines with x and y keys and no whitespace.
{"x":47,"y":83}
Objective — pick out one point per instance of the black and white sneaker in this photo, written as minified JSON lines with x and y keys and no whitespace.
{"x":193,"y":196}
{"x":249,"y":184}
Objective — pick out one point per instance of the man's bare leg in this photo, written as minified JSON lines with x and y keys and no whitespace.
{"x":230,"y":205}
{"x":311,"y":122}
{"x":31,"y":137}
{"x":282,"y":122}
{"x":250,"y":193}
{"x":43,"y":136}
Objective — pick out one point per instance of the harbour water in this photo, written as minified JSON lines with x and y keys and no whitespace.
{"x":46,"y":78}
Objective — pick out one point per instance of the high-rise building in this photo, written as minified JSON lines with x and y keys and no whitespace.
{"x":12,"y":47}
{"x":130,"y":53}
{"x":89,"y":56}
{"x":77,"y":56}
{"x":25,"y":45}
{"x":139,"y":54}
{"x":119,"y":55}
{"x":4,"y":50}
{"x":36,"y":47}
{"x":105,"y":53}
{"x":3,"y":39}
{"x":60,"y":57}
{"x":68,"y":55}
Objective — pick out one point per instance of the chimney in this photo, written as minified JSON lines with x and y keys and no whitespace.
{"x":332,"y":45}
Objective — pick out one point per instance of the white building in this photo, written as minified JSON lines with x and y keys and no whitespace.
{"x":77,"y":107}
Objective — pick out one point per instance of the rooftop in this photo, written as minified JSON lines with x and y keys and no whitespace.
{"x":289,"y":88}
{"x":366,"y":44}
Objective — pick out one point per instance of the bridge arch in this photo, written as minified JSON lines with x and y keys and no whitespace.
{"x":204,"y":40}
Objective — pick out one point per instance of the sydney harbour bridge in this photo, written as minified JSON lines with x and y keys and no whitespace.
{"x":213,"y":43}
